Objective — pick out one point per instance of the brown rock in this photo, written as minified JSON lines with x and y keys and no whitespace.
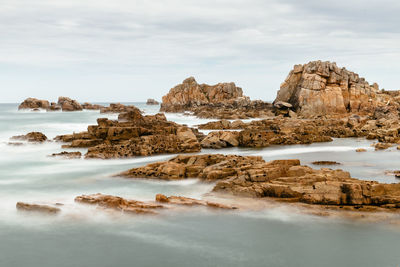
{"x":325,"y":162}
{"x":382,"y":146}
{"x":31,"y":137}
{"x":178,"y":200}
{"x":221,"y":139}
{"x":69,"y":155}
{"x":361,"y":150}
{"x":151,"y":101}
{"x":34,"y":103}
{"x":37,"y":208}
{"x":68,"y":104}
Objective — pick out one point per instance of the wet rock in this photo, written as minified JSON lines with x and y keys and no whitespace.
{"x":90,"y":106}
{"x":382,"y":146}
{"x":325,"y":162}
{"x":22,"y":206}
{"x":69,"y":155}
{"x":36,"y":137}
{"x":361,"y":150}
{"x":151,"y":101}
{"x":15,"y":143}
{"x":34,"y":103}
{"x":118,"y":203}
{"x":221,"y":139}
{"x":179,"y":200}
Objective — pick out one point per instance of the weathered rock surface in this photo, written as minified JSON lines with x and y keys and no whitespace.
{"x":134,"y":135}
{"x":178,"y":200}
{"x":319,"y":88}
{"x":117,"y":108}
{"x":37,"y":208}
{"x":221,"y":139}
{"x":282,"y":179}
{"x":34,"y":103}
{"x":118,"y":203}
{"x":69,"y":155}
{"x":31,"y":137}
{"x":152,"y":101}
{"x":223,"y":100}
{"x":68,"y":104}
{"x":90,"y":106}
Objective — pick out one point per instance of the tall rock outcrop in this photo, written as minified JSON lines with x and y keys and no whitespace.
{"x":320,"y":88}
{"x":190,"y":94}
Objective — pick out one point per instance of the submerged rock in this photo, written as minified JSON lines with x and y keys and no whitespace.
{"x":178,"y":200}
{"x":69,"y":155}
{"x":31,"y":137}
{"x":325,"y":162}
{"x":37,"y":208}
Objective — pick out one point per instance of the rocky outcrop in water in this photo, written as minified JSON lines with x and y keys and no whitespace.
{"x":34,"y":103}
{"x":34,"y":137}
{"x":140,"y":207}
{"x":134,"y":135}
{"x":40,"y":208}
{"x":282,"y":179}
{"x":223,"y":100}
{"x":319,"y":88}
{"x":68,"y":104}
{"x":152,"y":101}
{"x":68,"y":155}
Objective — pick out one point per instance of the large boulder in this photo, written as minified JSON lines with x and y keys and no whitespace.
{"x":321,"y":88}
{"x":34,"y":103}
{"x":68,"y":104}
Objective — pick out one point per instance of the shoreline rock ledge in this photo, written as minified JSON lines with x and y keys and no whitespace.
{"x":322,"y":88}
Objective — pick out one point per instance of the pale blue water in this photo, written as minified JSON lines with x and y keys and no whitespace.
{"x":83,"y":236}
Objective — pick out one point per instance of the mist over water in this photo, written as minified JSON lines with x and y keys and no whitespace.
{"x":85,"y":236}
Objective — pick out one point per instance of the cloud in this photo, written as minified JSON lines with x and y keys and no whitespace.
{"x":130,"y":50}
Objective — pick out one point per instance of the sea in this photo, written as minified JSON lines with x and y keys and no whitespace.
{"x":85,"y":236}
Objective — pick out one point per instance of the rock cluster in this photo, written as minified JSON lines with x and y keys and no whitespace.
{"x":223,"y":100}
{"x":282,"y":179}
{"x":152,"y":101}
{"x":68,"y":155}
{"x":319,"y":88}
{"x":134,"y":135}
{"x":34,"y":137}
{"x":68,"y":104}
{"x":63,"y":103}
{"x":139,"y":207}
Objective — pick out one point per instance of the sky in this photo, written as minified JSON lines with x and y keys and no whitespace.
{"x":131,"y":50}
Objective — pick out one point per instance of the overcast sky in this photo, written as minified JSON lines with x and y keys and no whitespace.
{"x":131,"y":50}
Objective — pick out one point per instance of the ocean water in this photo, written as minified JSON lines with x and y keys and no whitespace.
{"x":84,"y":236}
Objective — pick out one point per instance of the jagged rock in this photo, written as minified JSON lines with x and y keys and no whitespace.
{"x":31,"y":137}
{"x":223,"y":100}
{"x":34,"y":103}
{"x":68,"y":104}
{"x":221,"y":139}
{"x":151,"y":101}
{"x":319,"y":88}
{"x":69,"y":155}
{"x":134,"y":135}
{"x":37,"y":208}
{"x":117,"y":108}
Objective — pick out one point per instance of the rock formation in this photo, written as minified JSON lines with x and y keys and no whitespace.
{"x":152,"y":101}
{"x":134,"y":135}
{"x":33,"y":103}
{"x":320,"y":88}
{"x":68,"y":104}
{"x":223,"y":100}
{"x":282,"y":179}
{"x":31,"y":137}
{"x":68,"y":155}
{"x":139,"y":207}
{"x":37,"y":208}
